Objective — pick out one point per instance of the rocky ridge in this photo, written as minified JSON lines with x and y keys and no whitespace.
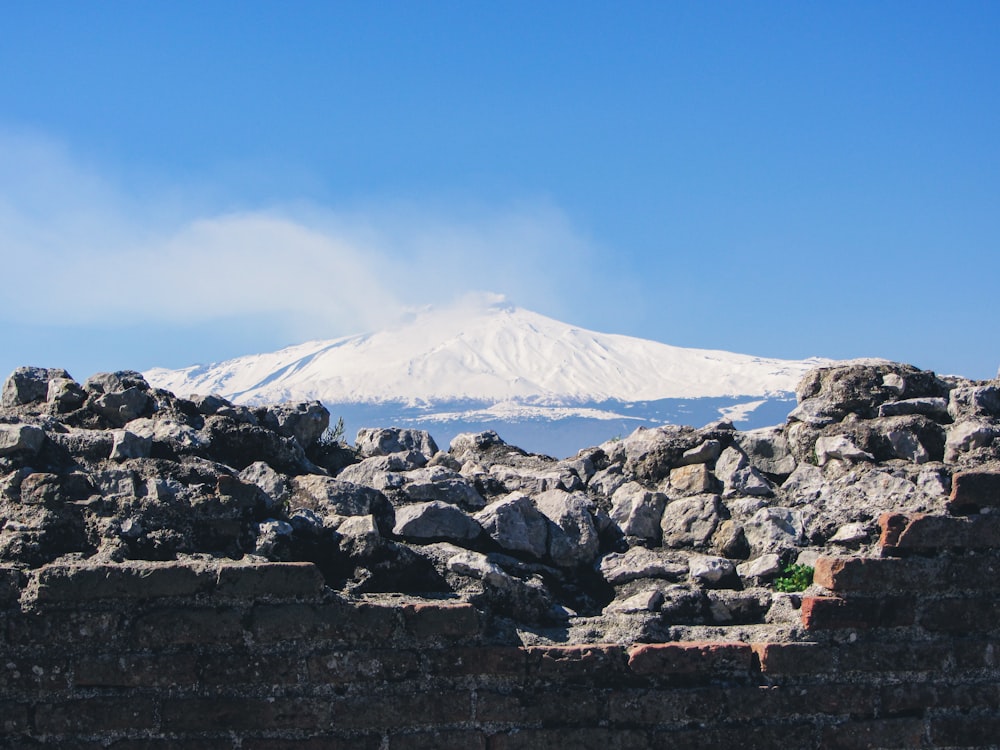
{"x":666,"y":529}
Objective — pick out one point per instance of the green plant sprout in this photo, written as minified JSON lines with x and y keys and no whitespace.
{"x":794,"y":578}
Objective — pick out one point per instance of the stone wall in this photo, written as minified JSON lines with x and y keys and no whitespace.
{"x":898,"y":649}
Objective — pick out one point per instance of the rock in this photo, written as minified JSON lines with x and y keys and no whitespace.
{"x":649,"y":600}
{"x":933,"y":407}
{"x":120,"y":407}
{"x":129,"y":445}
{"x":906,"y":445}
{"x":20,"y":438}
{"x":28,"y":385}
{"x":639,"y":563}
{"x":329,"y":496}
{"x":516,"y":525}
{"x":275,"y":486}
{"x":816,"y":412}
{"x":768,"y":451}
{"x":839,"y":447}
{"x":382,"y":442}
{"x":730,"y":541}
{"x":966,"y":436}
{"x":760,"y":568}
{"x":650,"y":454}
{"x":738,"y":607}
{"x":210,"y":404}
{"x":638,"y":511}
{"x":862,"y":388}
{"x":435,"y":521}
{"x":738,"y":477}
{"x":383,"y":472}
{"x":707,"y":569}
{"x":851,"y":534}
{"x":692,"y":479}
{"x":774,"y":530}
{"x":439,"y":483}
{"x":239,"y":444}
{"x":606,"y":481}
{"x":705,"y":453}
{"x":573,"y":538}
{"x":304,"y":420}
{"x":174,"y":436}
{"x":116,"y":382}
{"x":65,"y":393}
{"x":972,"y":402}
{"x":441,"y":458}
{"x":690,"y":522}
{"x":273,"y":539}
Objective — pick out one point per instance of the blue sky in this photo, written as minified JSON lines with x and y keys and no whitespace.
{"x":187,"y":182}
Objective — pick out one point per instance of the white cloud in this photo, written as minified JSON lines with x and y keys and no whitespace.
{"x":83,"y":251}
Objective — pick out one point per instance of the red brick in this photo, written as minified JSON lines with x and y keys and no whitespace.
{"x":861,"y":735}
{"x":95,"y":715}
{"x":925,"y":533}
{"x":972,"y":490}
{"x":476,"y":660}
{"x":131,"y":670}
{"x":455,"y":740}
{"x":188,"y":625}
{"x":284,"y":580}
{"x":945,"y":572}
{"x":828,"y":612}
{"x":600,"y":661}
{"x":345,"y":667}
{"x":224,"y":713}
{"x":701,"y":658}
{"x":243,"y":667}
{"x":793,"y":658}
{"x":429,"y":619}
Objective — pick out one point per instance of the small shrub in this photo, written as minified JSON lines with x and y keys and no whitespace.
{"x":333,"y":435}
{"x":794,"y":578}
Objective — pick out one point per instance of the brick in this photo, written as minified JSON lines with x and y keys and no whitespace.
{"x":247,"y":667}
{"x":913,"y":698}
{"x":767,"y":737}
{"x":456,"y":740}
{"x":925,"y":533}
{"x":861,"y":735}
{"x":699,"y":658}
{"x":172,"y":744}
{"x":188,"y":626}
{"x":225,"y":713}
{"x":32,"y":674}
{"x":980,"y":572}
{"x":449,"y":619}
{"x":59,"y":629}
{"x":95,"y":715}
{"x":571,"y":739}
{"x":968,"y":730}
{"x":793,"y":658}
{"x":494,"y":661}
{"x":601,"y":662}
{"x":829,"y":612}
{"x":652,"y":707}
{"x":346,"y":667}
{"x":972,"y":490}
{"x":133,"y":670}
{"x":567,"y":706}
{"x":284,"y":580}
{"x":14,"y":717}
{"x":134,"y":580}
{"x":315,"y":742}
{"x":895,"y":656}
{"x":961,"y":614}
{"x":817,"y":699}
{"x":345,"y":622}
{"x":12,"y":581}
{"x":404,"y":710}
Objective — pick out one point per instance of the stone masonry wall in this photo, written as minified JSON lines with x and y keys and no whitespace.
{"x":900,"y":652}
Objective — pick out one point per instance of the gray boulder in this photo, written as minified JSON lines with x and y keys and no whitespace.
{"x":304,"y":420}
{"x":641,"y":563}
{"x":972,"y":402}
{"x":768,"y":451}
{"x":445,"y":485}
{"x":383,"y":441}
{"x":435,"y":521}
{"x":275,"y":486}
{"x":27,"y":385}
{"x":774,"y":530}
{"x":934,"y":407}
{"x":129,"y":445}
{"x":638,"y":511}
{"x":692,"y":479}
{"x":738,"y":477}
{"x":20,"y":438}
{"x":573,"y":537}
{"x":516,"y":525}
{"x":692,"y":521}
{"x":967,"y":436}
{"x":329,"y":496}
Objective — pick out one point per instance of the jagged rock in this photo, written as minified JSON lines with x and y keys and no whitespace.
{"x":329,"y":496}
{"x":730,"y":541}
{"x":304,"y":420}
{"x":20,"y":438}
{"x":768,"y":451}
{"x":690,"y":522}
{"x":27,"y":385}
{"x":239,"y":444}
{"x":129,"y":445}
{"x":692,"y":479}
{"x":973,"y":402}
{"x":774,"y":530}
{"x":439,"y":483}
{"x":638,"y":511}
{"x":274,"y":538}
{"x":448,"y":461}
{"x":606,"y":481}
{"x":275,"y":486}
{"x":650,"y":454}
{"x":435,"y":521}
{"x":738,"y":477}
{"x":65,"y":393}
{"x":760,"y":568}
{"x":708,"y":569}
{"x":210,"y":404}
{"x":382,"y":442}
{"x":704,"y":453}
{"x":967,"y":436}
{"x":174,"y":436}
{"x":930,"y":406}
{"x":862,"y":388}
{"x":851,"y":534}
{"x":737,"y":607}
{"x":649,"y":600}
{"x":515,"y":524}
{"x":383,"y":472}
{"x":520,"y":480}
{"x":573,"y":538}
{"x":582,"y":466}
{"x":839,"y":447}
{"x":816,"y":412}
{"x":640,"y":563}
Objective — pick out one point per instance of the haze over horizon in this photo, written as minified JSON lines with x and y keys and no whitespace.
{"x":185,"y":184}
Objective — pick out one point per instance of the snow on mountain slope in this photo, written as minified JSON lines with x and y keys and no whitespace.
{"x":487,"y":352}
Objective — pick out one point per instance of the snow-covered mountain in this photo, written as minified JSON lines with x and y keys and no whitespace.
{"x":489,"y":364}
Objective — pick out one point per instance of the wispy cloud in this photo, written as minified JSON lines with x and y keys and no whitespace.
{"x":87,"y":252}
